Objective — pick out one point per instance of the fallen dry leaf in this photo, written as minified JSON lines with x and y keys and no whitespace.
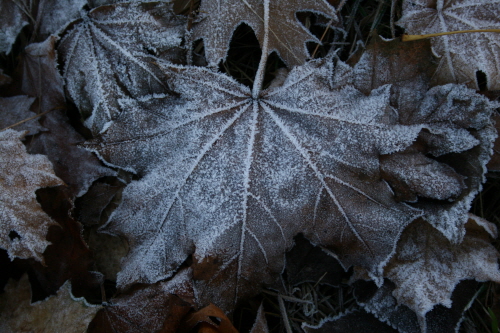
{"x":16,"y":109}
{"x":154,"y":308}
{"x":457,"y":51}
{"x":60,"y":313}
{"x":24,"y":224}
{"x":210,"y":319}
{"x":427,"y":267}
{"x":113,"y":43}
{"x":287,"y":36}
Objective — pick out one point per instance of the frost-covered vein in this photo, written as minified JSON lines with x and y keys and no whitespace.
{"x":268,"y":211}
{"x":188,"y":174}
{"x":317,"y":173}
{"x":316,"y":204}
{"x":246,"y":185}
{"x":258,"y":243}
{"x":132,"y":22}
{"x":326,"y":116}
{"x":289,"y":84}
{"x":168,"y":131}
{"x":125,"y":52}
{"x":72,"y":49}
{"x":464,"y":21}
{"x":209,"y":83}
{"x":340,"y":181}
{"x":98,"y":78}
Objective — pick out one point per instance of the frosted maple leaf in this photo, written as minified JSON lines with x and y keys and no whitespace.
{"x":457,"y":51}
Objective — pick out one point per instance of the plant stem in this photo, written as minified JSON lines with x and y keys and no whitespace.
{"x":259,"y":77}
{"x":409,"y":38}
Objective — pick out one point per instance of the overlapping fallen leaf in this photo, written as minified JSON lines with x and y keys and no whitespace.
{"x":24,"y":224}
{"x":457,"y":51}
{"x":60,"y":313}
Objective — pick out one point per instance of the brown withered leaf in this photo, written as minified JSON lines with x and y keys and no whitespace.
{"x":154,"y":308}
{"x":461,"y":55}
{"x":24,"y":224}
{"x":210,"y":319}
{"x":40,"y":78}
{"x":90,"y":207}
{"x":407,"y":67}
{"x":106,"y":56}
{"x":16,"y":109}
{"x":287,"y":36}
{"x":60,"y":313}
{"x":427,"y":267}
{"x":68,"y":256}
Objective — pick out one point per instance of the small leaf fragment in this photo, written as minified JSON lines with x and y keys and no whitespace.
{"x":60,"y":313}
{"x":21,"y":175}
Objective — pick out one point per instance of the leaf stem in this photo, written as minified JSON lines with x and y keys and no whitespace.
{"x":259,"y":77}
{"x":409,"y":38}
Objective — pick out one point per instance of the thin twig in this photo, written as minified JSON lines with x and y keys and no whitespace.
{"x":409,"y":38}
{"x":28,"y":119}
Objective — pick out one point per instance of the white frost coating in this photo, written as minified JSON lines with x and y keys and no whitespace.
{"x":456,"y":51}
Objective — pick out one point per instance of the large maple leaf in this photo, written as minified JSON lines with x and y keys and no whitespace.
{"x":456,"y":51}
{"x":233,"y":178}
{"x":287,"y":36}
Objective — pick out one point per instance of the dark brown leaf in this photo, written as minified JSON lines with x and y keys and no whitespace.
{"x":16,"y":109}
{"x":60,"y":313}
{"x":155,"y":308}
{"x":24,"y":224}
{"x":210,"y":319}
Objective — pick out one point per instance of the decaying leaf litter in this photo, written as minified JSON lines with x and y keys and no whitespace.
{"x":374,"y":159}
